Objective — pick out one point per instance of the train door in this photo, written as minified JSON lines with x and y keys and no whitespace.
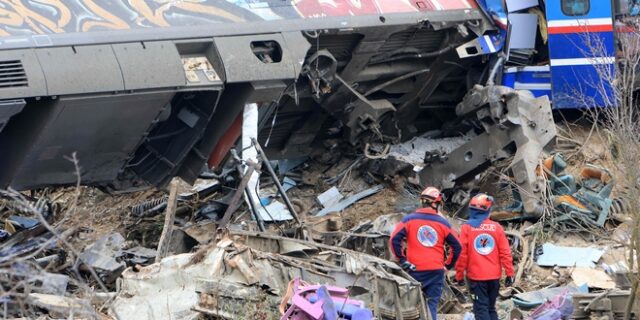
{"x":582,"y":52}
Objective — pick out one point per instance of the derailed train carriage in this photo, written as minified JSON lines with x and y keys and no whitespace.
{"x":143,"y":91}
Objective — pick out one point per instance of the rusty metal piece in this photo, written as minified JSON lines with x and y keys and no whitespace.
{"x":234,"y":204}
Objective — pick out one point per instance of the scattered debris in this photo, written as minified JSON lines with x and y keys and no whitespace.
{"x":610,"y":304}
{"x":139,"y":256}
{"x":330,"y":197}
{"x":533,"y":299}
{"x":101,"y":256}
{"x":343,"y":204}
{"x":413,"y":151}
{"x":516,"y":127}
{"x":336,"y":263}
{"x":255,"y":264}
{"x":372,"y":237}
{"x":580,"y":204}
{"x":275,"y":211}
{"x":59,"y":306}
{"x":558,"y":307}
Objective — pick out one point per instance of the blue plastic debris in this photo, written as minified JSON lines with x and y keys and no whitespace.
{"x":23,"y":222}
{"x":288,"y":183}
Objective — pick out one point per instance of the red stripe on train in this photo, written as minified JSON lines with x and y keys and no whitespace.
{"x":580,"y":29}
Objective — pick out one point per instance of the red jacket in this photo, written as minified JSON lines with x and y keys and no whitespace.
{"x":485,"y":252}
{"x":425,"y":232}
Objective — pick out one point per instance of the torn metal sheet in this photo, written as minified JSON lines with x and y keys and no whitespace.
{"x":343,"y":204}
{"x":413,"y":151}
{"x":553,"y":255}
{"x":101,"y":256}
{"x":249,"y":152}
{"x":330,"y":197}
{"x":372,"y":237}
{"x":517,"y":126}
{"x":274,"y":212}
{"x":201,"y":188}
{"x":147,"y":293}
{"x":38,"y":280}
{"x":227,"y":278}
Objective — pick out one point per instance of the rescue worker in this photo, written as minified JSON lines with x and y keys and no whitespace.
{"x":485,"y":253}
{"x":425,"y":232}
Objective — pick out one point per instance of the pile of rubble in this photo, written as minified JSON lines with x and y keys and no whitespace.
{"x":305,"y":239}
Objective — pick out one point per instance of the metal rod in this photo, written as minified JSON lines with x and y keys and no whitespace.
{"x":234,"y":204}
{"x":254,"y":208}
{"x":267,"y":164}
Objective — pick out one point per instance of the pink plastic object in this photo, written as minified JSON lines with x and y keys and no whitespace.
{"x":303,"y":309}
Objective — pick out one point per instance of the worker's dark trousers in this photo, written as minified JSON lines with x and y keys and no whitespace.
{"x":432,"y":282}
{"x":484,"y":294}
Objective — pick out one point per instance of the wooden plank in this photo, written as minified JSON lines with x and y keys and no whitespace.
{"x":169,"y":218}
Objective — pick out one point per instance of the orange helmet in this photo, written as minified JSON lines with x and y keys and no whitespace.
{"x":481,"y":202}
{"x":431,"y":195}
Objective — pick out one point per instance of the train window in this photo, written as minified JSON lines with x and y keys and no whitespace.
{"x":575,"y":7}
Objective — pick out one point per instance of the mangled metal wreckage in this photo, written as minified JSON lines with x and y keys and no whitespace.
{"x":142,"y":92}
{"x":247,"y":267}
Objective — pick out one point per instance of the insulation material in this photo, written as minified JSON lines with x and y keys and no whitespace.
{"x":593,"y":278}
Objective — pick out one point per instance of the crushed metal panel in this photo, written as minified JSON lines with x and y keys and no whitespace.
{"x":9,"y":108}
{"x":226,"y":277}
{"x":102,"y":146}
{"x":380,"y":285}
{"x":80,"y":69}
{"x":512,"y":120}
{"x":150,"y":65}
{"x":611,"y":305}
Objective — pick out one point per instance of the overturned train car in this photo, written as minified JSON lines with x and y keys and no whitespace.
{"x":144,"y":91}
